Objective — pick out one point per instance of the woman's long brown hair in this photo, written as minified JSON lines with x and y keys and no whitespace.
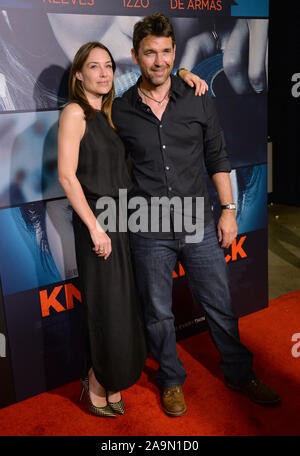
{"x":76,"y":92}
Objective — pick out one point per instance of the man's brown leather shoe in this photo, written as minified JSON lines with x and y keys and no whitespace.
{"x":258,"y":392}
{"x":173,"y":401}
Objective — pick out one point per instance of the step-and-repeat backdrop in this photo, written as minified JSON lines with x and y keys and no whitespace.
{"x":223,"y":41}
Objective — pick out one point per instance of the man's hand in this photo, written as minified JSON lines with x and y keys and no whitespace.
{"x":193,"y":81}
{"x":227,"y":228}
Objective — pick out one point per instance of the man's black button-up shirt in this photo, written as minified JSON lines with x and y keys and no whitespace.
{"x":168,"y":155}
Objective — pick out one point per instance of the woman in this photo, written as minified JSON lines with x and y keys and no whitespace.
{"x":91,"y":164}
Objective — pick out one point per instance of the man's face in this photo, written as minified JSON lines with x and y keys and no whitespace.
{"x":155,"y":58}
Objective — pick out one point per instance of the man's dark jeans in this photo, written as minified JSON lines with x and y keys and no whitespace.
{"x":154,"y":261}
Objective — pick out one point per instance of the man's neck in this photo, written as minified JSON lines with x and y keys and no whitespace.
{"x":158,"y":91}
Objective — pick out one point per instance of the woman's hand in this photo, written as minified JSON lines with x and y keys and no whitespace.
{"x":193,"y":80}
{"x":102,"y":243}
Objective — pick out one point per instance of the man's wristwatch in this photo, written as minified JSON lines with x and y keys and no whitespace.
{"x":179,"y":69}
{"x":231,"y":206}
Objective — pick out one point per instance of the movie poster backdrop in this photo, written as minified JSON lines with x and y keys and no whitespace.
{"x":224,"y":42}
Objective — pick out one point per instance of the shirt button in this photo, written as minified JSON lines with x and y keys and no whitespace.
{"x":167,"y":168}
{"x":160,"y":126}
{"x":163,"y":146}
{"x":148,"y":109}
{"x":170,"y":189}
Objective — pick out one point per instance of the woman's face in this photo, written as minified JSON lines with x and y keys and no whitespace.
{"x":97,"y":73}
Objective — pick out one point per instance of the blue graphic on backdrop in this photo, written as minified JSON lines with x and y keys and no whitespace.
{"x":251,"y":8}
{"x":36,"y":245}
{"x":209,"y":70}
{"x":251,"y":198}
{"x":249,"y":189}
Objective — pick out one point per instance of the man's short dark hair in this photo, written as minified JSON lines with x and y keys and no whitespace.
{"x":156,"y":24}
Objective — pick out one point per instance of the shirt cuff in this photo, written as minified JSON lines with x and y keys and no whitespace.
{"x":222,"y":166}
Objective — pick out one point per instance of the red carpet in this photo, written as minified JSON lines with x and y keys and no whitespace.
{"x":213,"y":410}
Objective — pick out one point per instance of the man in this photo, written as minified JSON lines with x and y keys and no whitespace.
{"x":168,"y":133}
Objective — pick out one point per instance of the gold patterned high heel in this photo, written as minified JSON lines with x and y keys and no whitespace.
{"x":117,"y":407}
{"x":105,"y":411}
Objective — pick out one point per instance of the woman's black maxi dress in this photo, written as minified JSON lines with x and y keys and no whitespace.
{"x":113,"y":327}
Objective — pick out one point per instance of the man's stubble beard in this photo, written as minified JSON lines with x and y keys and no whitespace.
{"x":157,"y":83}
